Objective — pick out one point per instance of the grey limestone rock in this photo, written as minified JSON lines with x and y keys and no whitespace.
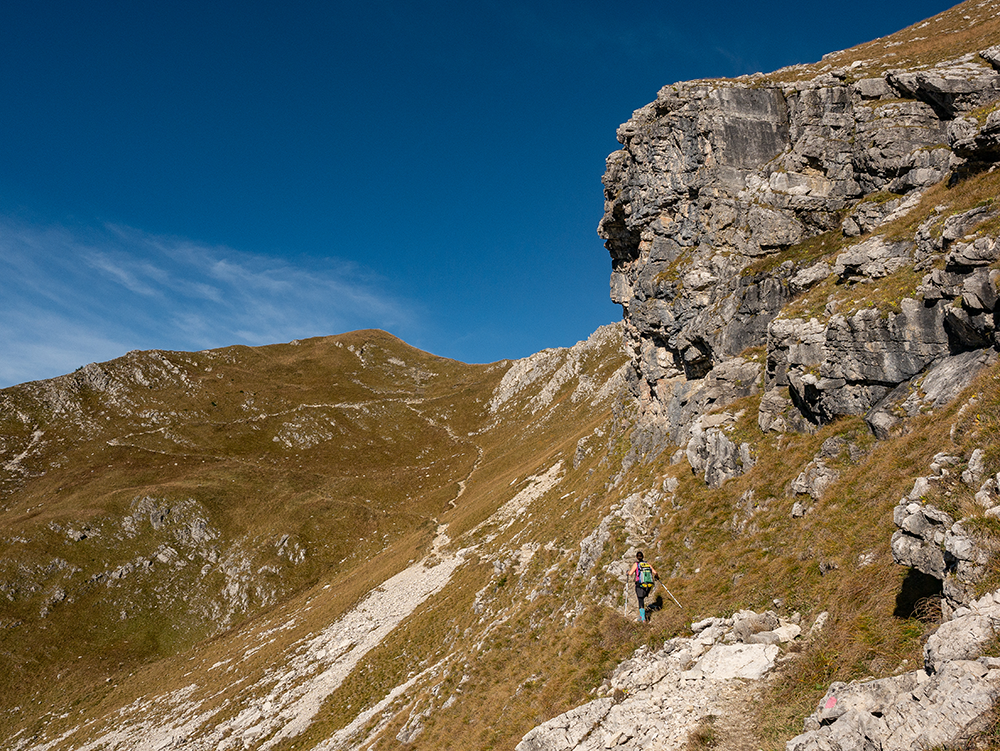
{"x":779,"y":414}
{"x":903,"y":713}
{"x":992,"y":56}
{"x":866,"y":355}
{"x":592,"y":546}
{"x":716,"y":175}
{"x":568,"y":729}
{"x":657,"y":697}
{"x":936,"y":706}
{"x":814,"y":480}
{"x":928,"y":391}
{"x":879,"y":349}
{"x":872,"y":259}
{"x":726,"y":662}
{"x":973,"y":475}
{"x":674,"y":403}
{"x":959,"y":639}
{"x":981,"y":252}
{"x":810,"y":275}
{"x":793,"y":343}
{"x":712,"y":454}
{"x":951,"y":89}
{"x":919,"y":541}
{"x":746,"y":623}
{"x":869,"y":215}
{"x":978,"y":144}
{"x":932,"y":542}
{"x":699,"y":626}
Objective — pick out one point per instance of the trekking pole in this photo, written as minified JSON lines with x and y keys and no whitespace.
{"x":660,"y":582}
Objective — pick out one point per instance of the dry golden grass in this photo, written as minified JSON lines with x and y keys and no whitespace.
{"x":824,"y":246}
{"x":344,"y":499}
{"x":336,"y":499}
{"x":966,"y":28}
{"x":407,"y":431}
{"x":864,"y":636}
{"x":704,"y":736}
{"x":942,"y":201}
{"x":514,"y":662}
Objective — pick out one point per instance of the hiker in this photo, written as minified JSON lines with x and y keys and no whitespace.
{"x":645,"y":578}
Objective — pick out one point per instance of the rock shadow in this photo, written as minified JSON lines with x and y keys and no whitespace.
{"x":919,"y":597}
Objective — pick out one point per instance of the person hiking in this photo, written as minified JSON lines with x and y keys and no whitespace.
{"x":645,"y":578}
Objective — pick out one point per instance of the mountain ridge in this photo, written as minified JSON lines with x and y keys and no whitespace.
{"x":256,"y":551}
{"x":347,"y":543}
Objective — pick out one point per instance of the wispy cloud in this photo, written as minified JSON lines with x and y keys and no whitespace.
{"x":119,"y":272}
{"x":72,"y":296}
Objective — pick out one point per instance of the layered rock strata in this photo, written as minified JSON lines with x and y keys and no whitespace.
{"x":718,"y":181}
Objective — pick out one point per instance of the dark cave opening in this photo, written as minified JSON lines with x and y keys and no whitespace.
{"x":919,"y":597}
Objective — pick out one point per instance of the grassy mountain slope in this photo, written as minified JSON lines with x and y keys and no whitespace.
{"x":178,"y":505}
{"x":348,"y":543}
{"x":264,"y":471}
{"x":528,"y":624}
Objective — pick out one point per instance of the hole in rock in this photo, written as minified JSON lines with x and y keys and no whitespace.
{"x":919,"y":597}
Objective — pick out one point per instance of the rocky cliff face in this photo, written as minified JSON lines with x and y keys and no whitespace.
{"x":815,"y":244}
{"x":731,"y":201}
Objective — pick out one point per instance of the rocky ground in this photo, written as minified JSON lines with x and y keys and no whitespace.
{"x":660,"y":699}
{"x":943,"y":703}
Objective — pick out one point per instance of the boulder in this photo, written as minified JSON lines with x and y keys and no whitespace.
{"x":713,"y":455}
{"x":792,"y":344}
{"x":728,"y":661}
{"x":902,"y":713}
{"x":568,"y":729}
{"x":980,"y":252}
{"x":942,"y":382}
{"x":873,"y":259}
{"x":747,"y":623}
{"x":948,"y":89}
{"x":814,"y":480}
{"x":959,"y":639}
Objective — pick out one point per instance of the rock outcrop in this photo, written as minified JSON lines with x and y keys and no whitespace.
{"x":933,"y":542}
{"x":795,"y":231}
{"x":927,"y":708}
{"x":657,"y":698}
{"x":710,"y":209}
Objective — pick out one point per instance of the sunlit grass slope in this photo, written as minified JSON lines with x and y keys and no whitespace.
{"x":272,"y":468}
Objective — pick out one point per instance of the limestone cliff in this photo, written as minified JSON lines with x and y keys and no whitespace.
{"x":809,"y":227}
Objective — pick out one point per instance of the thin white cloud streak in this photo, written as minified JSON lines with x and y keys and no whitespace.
{"x":124,"y":276}
{"x":75,"y":296}
{"x":552,"y":30}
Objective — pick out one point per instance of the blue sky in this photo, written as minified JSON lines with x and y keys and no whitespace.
{"x":189,"y":175}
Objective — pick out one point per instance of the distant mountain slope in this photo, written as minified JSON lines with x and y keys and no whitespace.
{"x":163,"y":498}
